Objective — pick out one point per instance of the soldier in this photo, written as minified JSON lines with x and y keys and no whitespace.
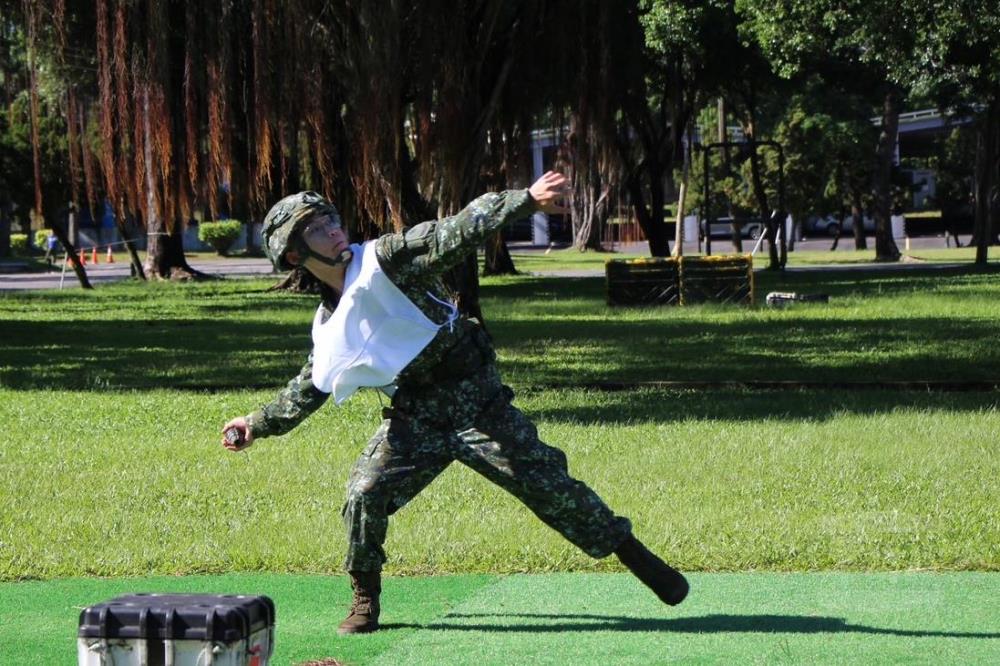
{"x":385,"y":322}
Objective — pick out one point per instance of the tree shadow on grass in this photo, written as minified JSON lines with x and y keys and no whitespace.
{"x":851,"y":280}
{"x":581,"y":348}
{"x":167,"y":353}
{"x":706,"y":624}
{"x":202,"y":354}
{"x":665,"y":406}
{"x":560,"y":334}
{"x":208,"y":353}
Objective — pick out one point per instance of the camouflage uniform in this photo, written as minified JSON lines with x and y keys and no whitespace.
{"x":449,"y":405}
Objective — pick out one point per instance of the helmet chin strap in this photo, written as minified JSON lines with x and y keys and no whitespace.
{"x":341,"y":258}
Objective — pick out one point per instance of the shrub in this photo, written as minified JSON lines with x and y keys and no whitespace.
{"x":41,"y":238}
{"x":220,"y":235}
{"x":19,"y":244}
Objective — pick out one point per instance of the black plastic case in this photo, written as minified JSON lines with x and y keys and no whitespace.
{"x":201,"y":617}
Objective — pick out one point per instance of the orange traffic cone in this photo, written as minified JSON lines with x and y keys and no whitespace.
{"x":93,"y":255}
{"x":83,"y":257}
{"x":111,"y":258}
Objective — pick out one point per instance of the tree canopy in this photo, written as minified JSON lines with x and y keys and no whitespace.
{"x":402,"y":111}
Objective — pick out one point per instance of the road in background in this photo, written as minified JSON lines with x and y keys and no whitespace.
{"x":723,"y":245}
{"x":259,"y":267}
{"x":103,"y":273}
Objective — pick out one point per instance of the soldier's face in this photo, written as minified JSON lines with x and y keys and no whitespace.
{"x":325,"y":236}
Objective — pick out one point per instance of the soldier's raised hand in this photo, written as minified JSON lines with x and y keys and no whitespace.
{"x":548,"y":190}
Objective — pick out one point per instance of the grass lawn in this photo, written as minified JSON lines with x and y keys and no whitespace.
{"x":924,"y":325}
{"x":131,"y":483}
{"x":962,"y":255}
{"x":111,"y":401}
{"x":572,"y":618}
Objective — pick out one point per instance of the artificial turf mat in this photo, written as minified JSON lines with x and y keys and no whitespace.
{"x":572,"y":618}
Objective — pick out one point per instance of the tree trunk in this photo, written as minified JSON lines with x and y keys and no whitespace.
{"x":133,"y":255}
{"x":71,"y":254}
{"x":737,"y":231}
{"x":682,"y":206}
{"x":984,"y":227}
{"x":885,"y":245}
{"x":783,"y":243}
{"x":497,"y":260}
{"x":164,"y":248}
{"x":858,"y":217}
{"x":590,"y":214}
{"x":165,"y":254}
{"x":841,"y":214}
{"x":660,"y":149}
{"x":4,"y":231}
{"x":773,"y":222}
{"x":650,"y":219}
{"x":736,"y":225}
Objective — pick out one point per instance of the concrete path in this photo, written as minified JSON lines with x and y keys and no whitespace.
{"x":256,"y":267}
{"x":104,"y":273}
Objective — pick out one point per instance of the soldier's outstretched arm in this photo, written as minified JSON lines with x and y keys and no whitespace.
{"x":291,"y":406}
{"x":434,"y":247}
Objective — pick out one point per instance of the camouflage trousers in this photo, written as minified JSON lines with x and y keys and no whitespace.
{"x":472,"y":421}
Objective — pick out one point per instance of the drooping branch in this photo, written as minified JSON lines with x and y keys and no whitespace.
{"x":106,"y":106}
{"x":88,"y":159}
{"x":191,"y":125}
{"x":260,"y":155}
{"x":73,"y":146}
{"x":157,"y":117}
{"x":128,"y":201}
{"x":31,"y":12}
{"x":219,"y":68}
{"x":72,"y":126}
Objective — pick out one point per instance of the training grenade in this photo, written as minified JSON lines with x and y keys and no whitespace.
{"x":779,"y":299}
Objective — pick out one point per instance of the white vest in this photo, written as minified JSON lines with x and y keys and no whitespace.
{"x":374,"y":332}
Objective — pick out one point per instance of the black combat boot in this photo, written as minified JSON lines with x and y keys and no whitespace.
{"x":363,"y":618}
{"x":668,"y":584}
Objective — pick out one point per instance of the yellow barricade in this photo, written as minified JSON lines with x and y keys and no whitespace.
{"x":680,"y":280}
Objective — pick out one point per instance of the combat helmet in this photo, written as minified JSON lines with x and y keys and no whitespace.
{"x":287,"y":217}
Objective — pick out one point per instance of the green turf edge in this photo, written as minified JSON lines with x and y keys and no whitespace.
{"x":579,"y":619}
{"x":902,"y":617}
{"x":38,"y":619}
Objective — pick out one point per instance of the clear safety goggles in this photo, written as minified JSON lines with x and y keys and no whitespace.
{"x":314,"y":233}
{"x":319,"y":228}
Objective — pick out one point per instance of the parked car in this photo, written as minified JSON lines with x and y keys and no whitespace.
{"x":722,"y":227}
{"x":827,"y":225}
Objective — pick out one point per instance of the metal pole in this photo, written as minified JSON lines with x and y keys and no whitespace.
{"x":705,"y":221}
{"x":783,"y":248}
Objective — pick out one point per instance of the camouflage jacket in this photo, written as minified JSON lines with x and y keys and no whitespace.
{"x":415,"y":260}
